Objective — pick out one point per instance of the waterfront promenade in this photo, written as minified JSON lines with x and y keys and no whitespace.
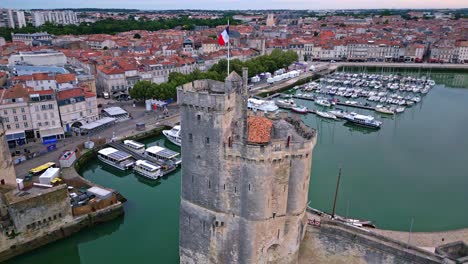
{"x":428,"y":66}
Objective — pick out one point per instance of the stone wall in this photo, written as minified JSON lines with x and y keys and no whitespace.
{"x":24,"y":243}
{"x":49,"y":208}
{"x":338,"y":243}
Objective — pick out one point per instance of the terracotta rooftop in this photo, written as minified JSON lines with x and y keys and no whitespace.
{"x":70,"y":93}
{"x":259,"y":129}
{"x":65,"y":78}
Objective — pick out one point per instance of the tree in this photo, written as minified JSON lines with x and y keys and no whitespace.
{"x":141,"y":90}
{"x":137,"y":36}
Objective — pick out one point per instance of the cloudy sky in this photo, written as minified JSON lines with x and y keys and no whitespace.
{"x":235,"y":4}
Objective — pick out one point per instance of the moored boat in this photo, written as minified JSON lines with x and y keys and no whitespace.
{"x":384,"y":110}
{"x":300,"y":109}
{"x":116,"y":158}
{"x":147,"y":169}
{"x":174,"y":135}
{"x":134,"y":146}
{"x":323,"y":102}
{"x":286,"y":103}
{"x":261,"y":105}
{"x":363,"y":120}
{"x":163,"y":155}
{"x":326,"y":115}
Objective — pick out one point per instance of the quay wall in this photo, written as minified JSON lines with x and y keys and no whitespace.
{"x":16,"y":247}
{"x":333,"y":242}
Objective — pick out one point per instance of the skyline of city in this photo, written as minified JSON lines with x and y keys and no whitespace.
{"x":237,"y":4}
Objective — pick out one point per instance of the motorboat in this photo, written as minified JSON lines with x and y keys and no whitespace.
{"x":286,"y":103}
{"x":174,"y":135}
{"x":323,"y":102}
{"x":300,"y":109}
{"x":384,"y":110}
{"x":326,"y":115}
{"x":261,"y":105}
{"x":363,"y":120}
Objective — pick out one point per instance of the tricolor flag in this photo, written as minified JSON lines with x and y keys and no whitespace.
{"x":223,"y":38}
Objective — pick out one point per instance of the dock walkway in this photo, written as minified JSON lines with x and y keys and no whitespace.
{"x":337,"y":103}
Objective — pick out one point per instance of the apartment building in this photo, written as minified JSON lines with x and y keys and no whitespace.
{"x":76,"y":107}
{"x":12,"y":18}
{"x":30,"y":38}
{"x":15,"y":113}
{"x":55,"y":17}
{"x":45,"y":116}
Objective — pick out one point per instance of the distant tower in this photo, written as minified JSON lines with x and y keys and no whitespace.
{"x":7,"y":170}
{"x":245,"y":178}
{"x":270,"y":22}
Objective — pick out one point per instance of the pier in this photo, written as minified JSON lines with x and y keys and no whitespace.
{"x":337,"y":103}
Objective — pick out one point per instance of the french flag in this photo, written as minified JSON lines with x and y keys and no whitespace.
{"x":223,"y":38}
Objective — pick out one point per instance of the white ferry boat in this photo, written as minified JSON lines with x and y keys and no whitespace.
{"x":116,"y":158}
{"x":147,"y":169}
{"x":261,"y":105}
{"x":163,"y":155}
{"x":174,"y":135}
{"x":134,"y":146}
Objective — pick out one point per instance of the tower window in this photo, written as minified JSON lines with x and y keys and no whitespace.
{"x":190,"y":137}
{"x":207,"y":140}
{"x":274,"y":215}
{"x":198,"y":117}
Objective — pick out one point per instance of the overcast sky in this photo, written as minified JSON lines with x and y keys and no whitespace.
{"x":234,"y":4}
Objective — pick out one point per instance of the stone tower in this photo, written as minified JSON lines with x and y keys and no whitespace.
{"x":245,"y":177}
{"x":270,"y":21}
{"x":7,"y":170}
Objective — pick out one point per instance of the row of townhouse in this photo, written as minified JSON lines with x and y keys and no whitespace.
{"x":365,"y":51}
{"x":450,"y":52}
{"x":118,"y":78}
{"x":29,"y":114}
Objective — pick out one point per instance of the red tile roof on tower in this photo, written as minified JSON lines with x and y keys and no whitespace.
{"x":259,"y":129}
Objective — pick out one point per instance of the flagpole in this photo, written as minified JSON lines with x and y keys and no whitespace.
{"x":229,"y":47}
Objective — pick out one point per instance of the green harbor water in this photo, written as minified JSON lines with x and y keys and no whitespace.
{"x":414,"y":167}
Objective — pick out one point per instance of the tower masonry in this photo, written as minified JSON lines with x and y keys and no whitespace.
{"x":7,"y":170}
{"x":245,"y":177}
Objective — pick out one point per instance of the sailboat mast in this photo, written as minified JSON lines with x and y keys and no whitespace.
{"x":336,"y":194}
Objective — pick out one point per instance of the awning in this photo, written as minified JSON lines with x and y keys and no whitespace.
{"x":51,"y":131}
{"x":14,"y":134}
{"x":97,"y":123}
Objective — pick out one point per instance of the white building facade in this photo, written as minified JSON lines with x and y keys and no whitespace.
{"x":54,"y":17}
